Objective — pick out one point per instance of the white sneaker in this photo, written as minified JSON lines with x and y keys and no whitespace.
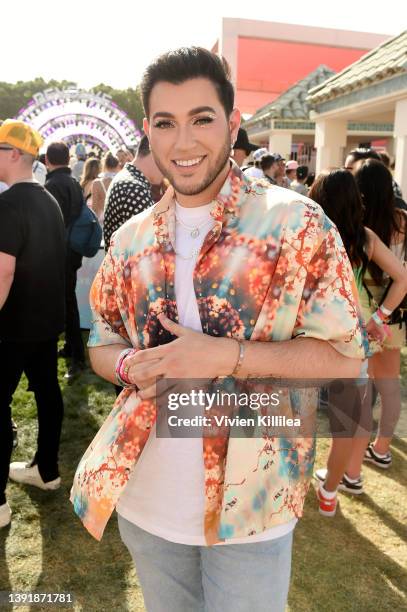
{"x":5,"y":515}
{"x":20,"y":472}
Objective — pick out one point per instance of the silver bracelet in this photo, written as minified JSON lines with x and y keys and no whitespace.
{"x":240,"y":358}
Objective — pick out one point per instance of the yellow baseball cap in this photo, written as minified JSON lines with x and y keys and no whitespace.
{"x":20,"y":135}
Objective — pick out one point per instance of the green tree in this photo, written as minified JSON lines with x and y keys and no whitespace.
{"x":14,"y":96}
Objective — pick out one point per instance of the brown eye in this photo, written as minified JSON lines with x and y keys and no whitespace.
{"x":162,"y":125}
{"x":204,"y":120}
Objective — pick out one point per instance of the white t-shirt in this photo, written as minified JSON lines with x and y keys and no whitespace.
{"x":165,"y":494}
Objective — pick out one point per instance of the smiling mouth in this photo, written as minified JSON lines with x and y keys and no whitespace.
{"x":188,"y":163}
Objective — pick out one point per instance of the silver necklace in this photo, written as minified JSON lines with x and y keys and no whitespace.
{"x":192,"y":255}
{"x":194,"y":231}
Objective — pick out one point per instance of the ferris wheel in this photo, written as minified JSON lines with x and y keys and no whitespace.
{"x":75,"y":115}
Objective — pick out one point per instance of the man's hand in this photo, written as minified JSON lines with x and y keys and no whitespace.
{"x":377,"y":332}
{"x":191,"y":355}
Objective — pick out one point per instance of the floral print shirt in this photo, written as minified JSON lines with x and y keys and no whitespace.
{"x":272,"y":268}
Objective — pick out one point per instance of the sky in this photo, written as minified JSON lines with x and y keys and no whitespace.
{"x":89,"y":41}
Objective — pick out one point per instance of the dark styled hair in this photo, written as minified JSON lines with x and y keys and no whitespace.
{"x":361,"y":153}
{"x":302,"y":172}
{"x":376,"y":187}
{"x":337,"y":193}
{"x":266,"y":162}
{"x":143,"y":148}
{"x":58,"y":153}
{"x":186,"y":63}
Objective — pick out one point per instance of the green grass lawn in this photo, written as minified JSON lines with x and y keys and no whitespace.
{"x":354,"y":562}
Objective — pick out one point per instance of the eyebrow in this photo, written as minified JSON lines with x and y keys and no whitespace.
{"x":193,"y":111}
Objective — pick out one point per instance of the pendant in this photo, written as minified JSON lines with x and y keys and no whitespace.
{"x":195,"y":233}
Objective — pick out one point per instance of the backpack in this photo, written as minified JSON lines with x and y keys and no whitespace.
{"x":85,"y":233}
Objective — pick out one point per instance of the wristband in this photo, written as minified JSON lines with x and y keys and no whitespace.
{"x":376,"y":318}
{"x":381,"y":315}
{"x":240,"y":358}
{"x":120,"y":371}
{"x":385,"y":310}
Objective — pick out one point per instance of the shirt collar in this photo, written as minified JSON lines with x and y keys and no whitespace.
{"x":59,"y":170}
{"x":226,"y":205}
{"x":136,"y":173}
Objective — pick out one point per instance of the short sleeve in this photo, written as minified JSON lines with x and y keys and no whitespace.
{"x":11,"y":231}
{"x":107,"y":323}
{"x":329,"y":308}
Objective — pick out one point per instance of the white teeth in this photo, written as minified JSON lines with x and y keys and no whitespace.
{"x":188,"y":162}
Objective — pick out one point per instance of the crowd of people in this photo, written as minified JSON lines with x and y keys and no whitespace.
{"x":197,"y":287}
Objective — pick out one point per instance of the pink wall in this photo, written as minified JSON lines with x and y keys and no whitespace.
{"x":267,"y":68}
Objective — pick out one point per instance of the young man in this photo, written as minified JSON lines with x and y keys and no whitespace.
{"x":130,"y":191}
{"x":223,"y":276}
{"x":32,"y":266}
{"x":68,"y":193}
{"x":270,"y":167}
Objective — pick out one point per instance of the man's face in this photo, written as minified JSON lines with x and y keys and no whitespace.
{"x":273,"y":170}
{"x":8,"y":155}
{"x":280,"y":170}
{"x":190,"y":135}
{"x":239,"y":155}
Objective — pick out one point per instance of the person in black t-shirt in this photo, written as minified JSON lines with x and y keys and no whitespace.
{"x":68,"y":193}
{"x":32,"y":284}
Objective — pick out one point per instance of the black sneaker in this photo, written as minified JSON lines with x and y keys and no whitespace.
{"x":382,"y":462}
{"x":355,"y":488}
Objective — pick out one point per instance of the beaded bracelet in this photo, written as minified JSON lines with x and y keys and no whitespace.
{"x":120,"y":371}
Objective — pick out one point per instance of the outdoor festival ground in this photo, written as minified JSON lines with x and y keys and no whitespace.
{"x":356,"y":561}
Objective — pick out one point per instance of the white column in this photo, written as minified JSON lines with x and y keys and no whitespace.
{"x":330,"y":140}
{"x":280,"y":142}
{"x":400,"y":145}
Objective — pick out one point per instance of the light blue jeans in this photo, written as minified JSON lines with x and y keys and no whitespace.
{"x":232,"y":578}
